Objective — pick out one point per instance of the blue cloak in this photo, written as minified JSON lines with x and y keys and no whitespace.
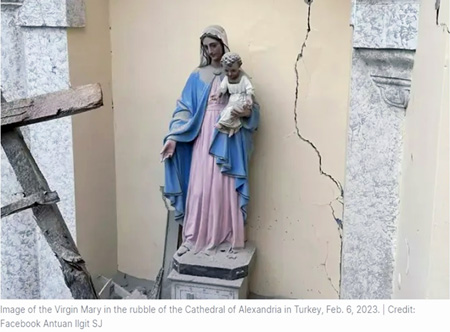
{"x":232,"y":154}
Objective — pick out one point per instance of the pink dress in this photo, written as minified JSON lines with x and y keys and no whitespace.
{"x":212,"y":214}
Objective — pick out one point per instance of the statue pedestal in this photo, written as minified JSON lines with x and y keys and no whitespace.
{"x":217,"y":275}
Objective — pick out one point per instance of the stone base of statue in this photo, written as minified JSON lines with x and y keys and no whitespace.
{"x":218,"y":274}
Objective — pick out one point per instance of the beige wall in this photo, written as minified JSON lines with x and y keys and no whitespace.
{"x":423,"y":241}
{"x":93,"y":139}
{"x":155,"y":45}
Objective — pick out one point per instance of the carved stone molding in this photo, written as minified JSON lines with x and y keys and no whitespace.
{"x":394,"y":91}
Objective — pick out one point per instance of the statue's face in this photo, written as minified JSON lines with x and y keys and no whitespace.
{"x":232,"y":71}
{"x":213,"y":48}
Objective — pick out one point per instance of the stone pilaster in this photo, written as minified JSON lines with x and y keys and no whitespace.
{"x":35,"y":61}
{"x":384,"y":43}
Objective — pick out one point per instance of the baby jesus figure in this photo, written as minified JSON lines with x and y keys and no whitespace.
{"x":241,"y":93}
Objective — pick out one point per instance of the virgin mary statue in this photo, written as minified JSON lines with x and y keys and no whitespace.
{"x":206,"y":172}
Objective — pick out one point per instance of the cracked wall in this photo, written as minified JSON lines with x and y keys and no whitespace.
{"x":294,"y":181}
{"x":310,"y":214}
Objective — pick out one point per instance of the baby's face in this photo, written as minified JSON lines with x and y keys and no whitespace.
{"x":232,"y":71}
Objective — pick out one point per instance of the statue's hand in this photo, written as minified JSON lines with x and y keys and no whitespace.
{"x":248,"y":101}
{"x":168,"y":149}
{"x":241,"y":112}
{"x":216,"y":96}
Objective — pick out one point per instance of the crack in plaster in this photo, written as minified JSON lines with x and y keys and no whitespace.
{"x":437,"y":6}
{"x":445,"y":27}
{"x":324,"y":264}
{"x":338,"y":221}
{"x":340,"y":197}
{"x":442,"y":25}
{"x":300,"y":56}
{"x":340,"y":230}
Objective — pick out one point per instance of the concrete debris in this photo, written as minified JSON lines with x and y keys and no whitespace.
{"x":136,"y":295}
{"x":109,"y":289}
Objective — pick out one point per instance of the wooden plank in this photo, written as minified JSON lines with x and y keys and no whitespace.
{"x":155,"y":292}
{"x":48,"y":217}
{"x":41,"y":198}
{"x":51,"y":106}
